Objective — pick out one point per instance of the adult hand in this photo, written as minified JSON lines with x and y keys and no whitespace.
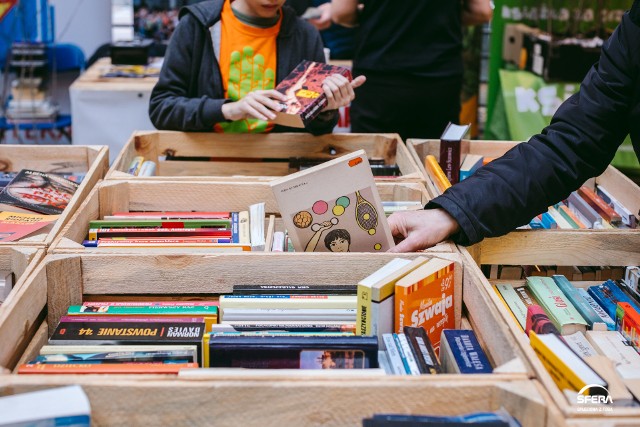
{"x":259,"y":104}
{"x":324,"y":21}
{"x":339,"y":90}
{"x":417,"y":230}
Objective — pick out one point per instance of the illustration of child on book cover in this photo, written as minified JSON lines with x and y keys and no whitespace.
{"x":348,"y":223}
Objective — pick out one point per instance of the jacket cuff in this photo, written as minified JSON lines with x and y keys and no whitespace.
{"x":212,"y":111}
{"x":467,"y":234}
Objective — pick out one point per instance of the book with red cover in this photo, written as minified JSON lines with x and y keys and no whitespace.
{"x":14,"y":225}
{"x":305,"y":97}
{"x":105,"y":368}
{"x":37,"y":191}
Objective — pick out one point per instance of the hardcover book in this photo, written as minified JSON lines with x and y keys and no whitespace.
{"x":334,"y":207}
{"x":305,"y":96}
{"x":461,"y":353}
{"x":557,"y":306}
{"x":425,"y":297}
{"x":293,"y":352}
{"x":608,"y":295}
{"x":41,"y":192}
{"x":450,"y":142}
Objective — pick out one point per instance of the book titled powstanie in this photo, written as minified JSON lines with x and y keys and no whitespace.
{"x":334,"y":207}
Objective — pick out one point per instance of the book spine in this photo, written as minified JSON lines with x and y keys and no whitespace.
{"x":599,"y":205}
{"x":438,"y":176}
{"x":102,"y":310}
{"x":160,"y":223}
{"x":403,"y":356}
{"x":235,"y":228}
{"x":628,"y":324}
{"x":539,"y":322}
{"x":467,"y":353}
{"x":105,"y":368}
{"x":395,"y":360}
{"x":422,"y":350}
{"x":95,"y":234}
{"x":295,"y":289}
{"x":288,"y":301}
{"x":572,"y":294}
{"x":608,"y":295}
{"x":450,"y":159}
{"x":628,"y":218}
{"x":513,"y":302}
{"x":411,"y":360}
{"x":364,"y":311}
{"x":583,"y":211}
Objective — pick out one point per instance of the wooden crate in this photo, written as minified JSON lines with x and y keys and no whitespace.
{"x":240,"y":398}
{"x":21,"y":261}
{"x":241,"y":152}
{"x":553,"y":394}
{"x":576,"y":247}
{"x":91,"y":160}
{"x":113,"y":196}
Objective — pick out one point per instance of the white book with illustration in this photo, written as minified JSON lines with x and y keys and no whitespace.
{"x":334,"y":207}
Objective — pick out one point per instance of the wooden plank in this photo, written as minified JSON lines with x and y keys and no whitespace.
{"x":115,"y":197}
{"x":308,"y":403}
{"x":563,"y":247}
{"x":165,"y":274}
{"x":155,"y":145}
{"x":486,"y":316}
{"x":40,"y":338}
{"x":44,"y":158}
{"x":91,"y":79}
{"x":64,"y":286}
{"x":20,"y":315}
{"x":73,"y":234}
{"x":622,"y":188}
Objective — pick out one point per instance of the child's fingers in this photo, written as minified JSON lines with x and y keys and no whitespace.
{"x":358,"y":81}
{"x":257,"y":110}
{"x":268,"y":102}
{"x":274,"y":94}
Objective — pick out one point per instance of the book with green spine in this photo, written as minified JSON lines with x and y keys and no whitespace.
{"x":514,"y":302}
{"x":580,"y":304}
{"x":160,"y":223}
{"x":557,"y":306}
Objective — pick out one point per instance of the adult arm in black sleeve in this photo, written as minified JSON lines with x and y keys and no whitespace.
{"x":578,"y":144}
{"x":170,"y":107}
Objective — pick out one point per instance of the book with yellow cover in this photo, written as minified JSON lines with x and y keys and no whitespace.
{"x":567,"y":369}
{"x":14,"y":225}
{"x":425,"y":297}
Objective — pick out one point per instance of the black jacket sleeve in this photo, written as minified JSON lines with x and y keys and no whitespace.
{"x":170,"y":106}
{"x":578,"y":144}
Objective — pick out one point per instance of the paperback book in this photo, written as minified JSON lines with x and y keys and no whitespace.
{"x":334,"y":207}
{"x":41,"y":192}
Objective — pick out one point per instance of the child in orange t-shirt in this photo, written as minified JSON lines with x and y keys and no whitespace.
{"x":224,"y":61}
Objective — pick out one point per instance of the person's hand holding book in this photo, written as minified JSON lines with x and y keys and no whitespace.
{"x":417,"y":230}
{"x":259,"y":104}
{"x":339,"y":90}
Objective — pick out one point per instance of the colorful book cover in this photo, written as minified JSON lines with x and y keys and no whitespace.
{"x":170,"y":356}
{"x":601,"y":312}
{"x":305,"y":96}
{"x":608,"y":295}
{"x":538,"y":321}
{"x":39,"y":191}
{"x":557,"y":306}
{"x":334,"y":207}
{"x":424,"y":298}
{"x":461,"y":353}
{"x":101,"y":233}
{"x":15,"y":226}
{"x":160,"y":223}
{"x":628,"y":324}
{"x":582,"y":306}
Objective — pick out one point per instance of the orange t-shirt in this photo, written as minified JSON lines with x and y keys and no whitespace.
{"x":247,"y":63}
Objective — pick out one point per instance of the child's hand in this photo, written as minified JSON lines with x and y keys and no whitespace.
{"x":339,"y":90}
{"x":260,"y":104}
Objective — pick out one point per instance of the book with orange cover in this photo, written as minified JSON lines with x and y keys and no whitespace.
{"x":14,"y":226}
{"x":104,"y":368}
{"x":424,"y":298}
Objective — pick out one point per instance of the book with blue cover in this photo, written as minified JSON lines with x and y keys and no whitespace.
{"x":608,"y":295}
{"x":605,"y":318}
{"x":460,"y":353}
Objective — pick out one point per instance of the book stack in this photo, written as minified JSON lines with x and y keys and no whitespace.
{"x":32,"y":201}
{"x":217,"y":231}
{"x":586,"y":209}
{"x":573,"y":273}
{"x":127,"y":338}
{"x":585,"y":336}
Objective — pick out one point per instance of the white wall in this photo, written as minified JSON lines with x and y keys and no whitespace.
{"x":88,"y":23}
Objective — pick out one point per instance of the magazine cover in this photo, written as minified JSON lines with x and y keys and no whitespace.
{"x":305,"y":97}
{"x":334,"y":207}
{"x":39,"y":191}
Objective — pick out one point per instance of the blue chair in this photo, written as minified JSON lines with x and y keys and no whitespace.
{"x":65,"y":57}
